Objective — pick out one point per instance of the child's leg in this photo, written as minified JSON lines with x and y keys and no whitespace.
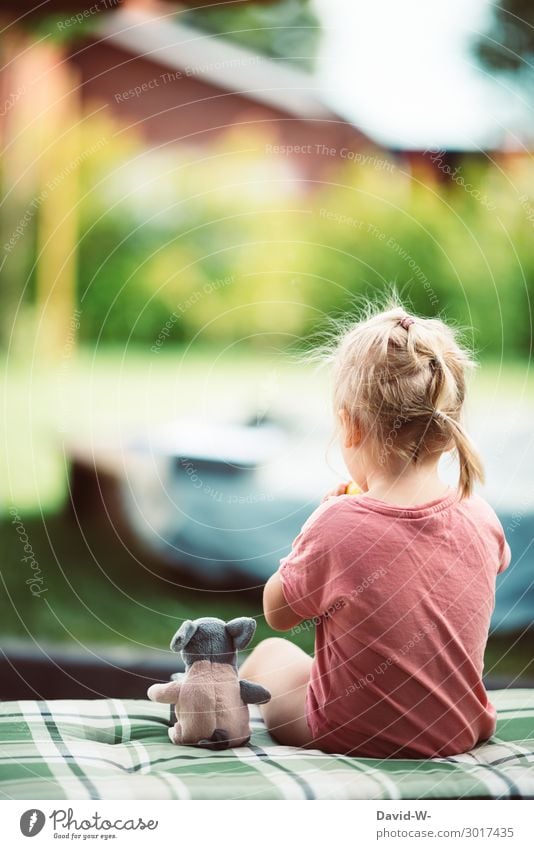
{"x":285,"y":670}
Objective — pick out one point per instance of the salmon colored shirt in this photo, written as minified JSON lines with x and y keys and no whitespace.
{"x":401,"y":599}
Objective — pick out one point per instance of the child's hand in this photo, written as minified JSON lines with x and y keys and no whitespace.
{"x":340,"y":489}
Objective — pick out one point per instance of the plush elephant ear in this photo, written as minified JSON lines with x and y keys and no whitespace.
{"x":183,"y":635}
{"x":241,"y":630}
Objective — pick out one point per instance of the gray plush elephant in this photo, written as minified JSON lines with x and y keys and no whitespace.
{"x":211,"y":703}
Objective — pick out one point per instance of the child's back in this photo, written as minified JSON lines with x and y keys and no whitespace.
{"x":406,"y":596}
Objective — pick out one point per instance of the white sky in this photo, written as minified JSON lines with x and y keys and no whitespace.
{"x":402,"y":71}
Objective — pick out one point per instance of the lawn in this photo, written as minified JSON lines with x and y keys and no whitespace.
{"x":97,"y":592}
{"x":107,"y":395}
{"x":110,"y":395}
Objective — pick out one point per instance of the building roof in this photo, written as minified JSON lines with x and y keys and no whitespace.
{"x":214,"y":60}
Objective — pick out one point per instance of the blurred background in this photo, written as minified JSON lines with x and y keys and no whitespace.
{"x":189,"y":194}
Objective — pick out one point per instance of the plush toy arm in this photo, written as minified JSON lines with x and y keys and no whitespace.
{"x":166,"y":694}
{"x":253,"y":694}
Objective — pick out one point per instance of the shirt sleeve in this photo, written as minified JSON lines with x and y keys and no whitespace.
{"x":496,"y":531}
{"x":305,"y":572}
{"x":506,"y":555}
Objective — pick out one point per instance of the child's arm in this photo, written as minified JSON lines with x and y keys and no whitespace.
{"x":278,"y":614}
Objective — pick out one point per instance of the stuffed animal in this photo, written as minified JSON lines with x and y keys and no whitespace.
{"x":210,"y":701}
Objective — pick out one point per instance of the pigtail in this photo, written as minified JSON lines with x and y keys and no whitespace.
{"x":471,"y":466}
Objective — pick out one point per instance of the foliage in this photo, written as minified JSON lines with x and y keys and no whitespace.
{"x":225,"y":244}
{"x":218,"y":243}
{"x":508,"y":44}
{"x":287,"y":29}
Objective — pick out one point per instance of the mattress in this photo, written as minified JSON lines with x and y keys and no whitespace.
{"x":119,"y":749}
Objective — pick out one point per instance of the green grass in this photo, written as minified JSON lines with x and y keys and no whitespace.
{"x":96,"y":591}
{"x":97,"y":594}
{"x":108,"y":396}
{"x":510,"y":657}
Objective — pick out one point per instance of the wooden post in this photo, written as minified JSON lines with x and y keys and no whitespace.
{"x":20,"y":150}
{"x":58,"y":194}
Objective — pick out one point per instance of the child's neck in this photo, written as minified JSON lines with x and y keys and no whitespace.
{"x":409,"y":487}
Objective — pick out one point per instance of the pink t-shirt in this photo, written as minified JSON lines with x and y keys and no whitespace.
{"x":402,"y":600}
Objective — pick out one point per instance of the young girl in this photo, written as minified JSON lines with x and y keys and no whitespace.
{"x":400,"y":580}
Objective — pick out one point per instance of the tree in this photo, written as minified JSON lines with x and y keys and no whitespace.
{"x":508,"y":44}
{"x":287,"y":29}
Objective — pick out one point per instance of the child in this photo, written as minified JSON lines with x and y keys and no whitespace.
{"x":399,"y":580}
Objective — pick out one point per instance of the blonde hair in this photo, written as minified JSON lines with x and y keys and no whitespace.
{"x":401,"y":380}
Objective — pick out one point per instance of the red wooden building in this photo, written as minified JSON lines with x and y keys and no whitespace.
{"x":175,"y":84}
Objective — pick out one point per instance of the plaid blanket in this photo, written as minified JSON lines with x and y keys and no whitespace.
{"x":119,"y":749}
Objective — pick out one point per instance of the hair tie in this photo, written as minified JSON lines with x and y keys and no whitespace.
{"x":406,"y":322}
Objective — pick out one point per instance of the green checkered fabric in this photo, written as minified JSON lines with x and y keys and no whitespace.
{"x":119,"y":749}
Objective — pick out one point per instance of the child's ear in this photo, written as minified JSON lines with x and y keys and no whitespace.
{"x":351,"y":432}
